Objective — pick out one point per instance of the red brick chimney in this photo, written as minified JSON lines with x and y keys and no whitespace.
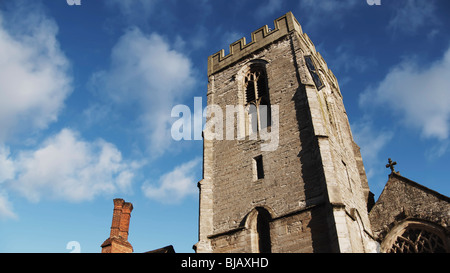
{"x":118,"y":238}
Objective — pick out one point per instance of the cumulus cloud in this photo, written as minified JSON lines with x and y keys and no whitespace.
{"x":34,"y":83}
{"x":418,"y":96}
{"x":145,"y":71}
{"x":34,"y":79}
{"x":172,"y":187}
{"x":65,"y":167}
{"x":346,"y":60}
{"x":6,"y":209}
{"x":371,"y":141}
{"x":411,"y":15}
{"x":316,"y":11}
{"x":129,"y":7}
{"x":7,"y":172}
{"x":7,"y":168}
{"x":268,"y":8}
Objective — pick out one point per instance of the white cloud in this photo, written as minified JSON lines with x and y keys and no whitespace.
{"x":6,"y":210}
{"x":146,"y":72}
{"x":68,"y":168}
{"x":417,"y":96}
{"x":7,"y":168}
{"x":268,"y":8}
{"x":97,"y":113}
{"x":34,"y":80}
{"x":437,"y":150}
{"x":131,"y":7}
{"x":412,"y":15}
{"x":7,"y":172}
{"x":324,"y":11}
{"x":371,"y":141}
{"x":174,"y":186}
{"x":229,"y":37}
{"x":346,"y":60}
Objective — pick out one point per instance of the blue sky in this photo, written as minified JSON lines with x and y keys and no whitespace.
{"x":86,"y":94}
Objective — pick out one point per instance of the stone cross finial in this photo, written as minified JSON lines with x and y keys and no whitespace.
{"x":391,"y":165}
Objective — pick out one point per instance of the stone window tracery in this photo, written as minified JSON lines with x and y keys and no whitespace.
{"x":257,"y":99}
{"x":418,"y":240}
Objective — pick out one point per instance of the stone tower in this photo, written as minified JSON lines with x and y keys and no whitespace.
{"x":304,"y":189}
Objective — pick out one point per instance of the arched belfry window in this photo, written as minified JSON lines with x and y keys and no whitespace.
{"x":257,"y":98}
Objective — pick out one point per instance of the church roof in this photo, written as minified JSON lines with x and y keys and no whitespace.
{"x":418,"y":186}
{"x":404,"y":199}
{"x":166,"y":249}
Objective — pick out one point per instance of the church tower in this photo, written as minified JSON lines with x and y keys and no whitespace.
{"x":281,"y":171}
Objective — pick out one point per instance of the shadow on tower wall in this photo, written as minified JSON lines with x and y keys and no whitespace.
{"x":322,"y":225}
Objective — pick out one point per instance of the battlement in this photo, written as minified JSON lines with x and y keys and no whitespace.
{"x":260,"y":38}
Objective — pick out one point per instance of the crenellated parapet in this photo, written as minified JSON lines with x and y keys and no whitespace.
{"x":260,"y":38}
{"x":263,"y":37}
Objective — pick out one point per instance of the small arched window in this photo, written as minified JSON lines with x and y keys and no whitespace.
{"x":259,"y":224}
{"x":263,"y":230}
{"x":257,"y":98}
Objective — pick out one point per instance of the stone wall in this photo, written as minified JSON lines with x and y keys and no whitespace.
{"x":403,"y":199}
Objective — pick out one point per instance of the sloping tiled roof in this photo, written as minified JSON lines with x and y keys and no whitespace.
{"x":166,"y":249}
